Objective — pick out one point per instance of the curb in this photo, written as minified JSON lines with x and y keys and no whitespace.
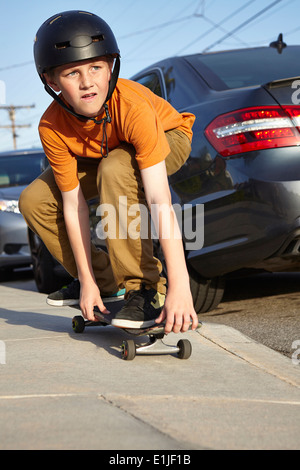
{"x":236,"y":343}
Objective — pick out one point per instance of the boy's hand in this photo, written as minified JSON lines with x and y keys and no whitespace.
{"x":90,"y":298}
{"x":178,"y":312}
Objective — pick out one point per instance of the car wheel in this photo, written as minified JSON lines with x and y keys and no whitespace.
{"x":206,"y":293}
{"x":45,"y":277}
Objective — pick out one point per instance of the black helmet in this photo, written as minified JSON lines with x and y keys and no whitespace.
{"x":72,"y":36}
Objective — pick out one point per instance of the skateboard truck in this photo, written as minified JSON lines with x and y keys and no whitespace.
{"x":155,"y":345}
{"x":129,"y":349}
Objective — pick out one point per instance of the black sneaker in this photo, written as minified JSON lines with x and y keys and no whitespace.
{"x":141,"y":309}
{"x":69,"y":295}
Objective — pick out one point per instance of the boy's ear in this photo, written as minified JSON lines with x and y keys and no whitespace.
{"x":50,"y":81}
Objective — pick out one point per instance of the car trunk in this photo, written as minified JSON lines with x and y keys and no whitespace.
{"x":286,"y":92}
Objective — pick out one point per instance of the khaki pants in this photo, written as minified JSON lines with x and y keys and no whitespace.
{"x":130,"y":261}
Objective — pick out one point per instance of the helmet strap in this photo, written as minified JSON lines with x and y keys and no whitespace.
{"x":112,"y":85}
{"x":106,"y":119}
{"x":58,"y":99}
{"x":114,"y":78}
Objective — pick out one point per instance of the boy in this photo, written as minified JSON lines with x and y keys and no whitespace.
{"x":115,"y":138}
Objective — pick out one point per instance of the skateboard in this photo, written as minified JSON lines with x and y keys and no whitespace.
{"x":129,"y":348}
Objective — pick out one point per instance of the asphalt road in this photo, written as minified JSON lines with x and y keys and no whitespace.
{"x":264,"y":307}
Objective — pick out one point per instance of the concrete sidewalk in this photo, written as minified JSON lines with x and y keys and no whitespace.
{"x":62,"y":390}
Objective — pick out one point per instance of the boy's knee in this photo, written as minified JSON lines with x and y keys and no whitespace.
{"x":25,"y":202}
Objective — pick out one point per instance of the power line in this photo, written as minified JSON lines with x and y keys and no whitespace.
{"x":218,"y":25}
{"x":159,"y":26}
{"x":242,"y":25}
{"x":16,"y":65}
{"x":165,"y":24}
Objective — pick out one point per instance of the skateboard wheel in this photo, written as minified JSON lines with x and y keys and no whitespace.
{"x":78,"y":324}
{"x":185,"y":349}
{"x":128,"y":350}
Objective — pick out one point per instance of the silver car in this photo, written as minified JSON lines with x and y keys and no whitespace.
{"x":17,"y":169}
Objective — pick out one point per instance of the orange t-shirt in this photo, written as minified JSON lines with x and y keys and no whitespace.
{"x":138,"y":117}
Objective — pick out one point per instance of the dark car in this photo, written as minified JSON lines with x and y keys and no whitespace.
{"x":17,"y":169}
{"x":244,"y":167}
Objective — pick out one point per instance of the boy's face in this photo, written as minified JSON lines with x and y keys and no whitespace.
{"x":84,"y":84}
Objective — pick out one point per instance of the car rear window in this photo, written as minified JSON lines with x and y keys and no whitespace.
{"x":247,"y":67}
{"x":19,"y":170}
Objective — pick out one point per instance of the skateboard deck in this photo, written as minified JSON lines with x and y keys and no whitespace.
{"x":129,"y":349}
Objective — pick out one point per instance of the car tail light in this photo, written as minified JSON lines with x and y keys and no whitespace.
{"x":246,"y":130}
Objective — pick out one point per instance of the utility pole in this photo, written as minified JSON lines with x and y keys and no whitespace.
{"x":12,"y":116}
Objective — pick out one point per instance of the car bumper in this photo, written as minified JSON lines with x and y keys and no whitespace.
{"x":14,"y":249}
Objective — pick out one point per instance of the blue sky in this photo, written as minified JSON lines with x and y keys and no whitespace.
{"x":146,"y":31}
